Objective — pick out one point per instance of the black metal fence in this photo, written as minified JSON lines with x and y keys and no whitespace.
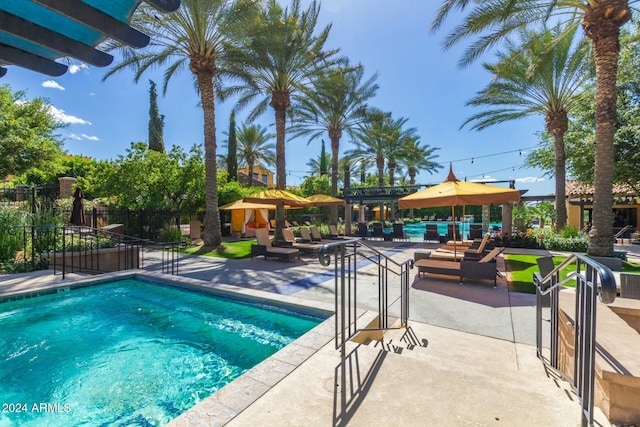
{"x":33,"y":198}
{"x":141,"y":223}
{"x":79,"y":249}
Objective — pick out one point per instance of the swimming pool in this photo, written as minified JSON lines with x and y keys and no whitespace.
{"x":129,"y":352}
{"x":416,"y":230}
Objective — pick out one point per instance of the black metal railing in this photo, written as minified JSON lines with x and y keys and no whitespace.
{"x":79,"y":249}
{"x":624,"y":233}
{"x":593,"y":282}
{"x":346,"y":255}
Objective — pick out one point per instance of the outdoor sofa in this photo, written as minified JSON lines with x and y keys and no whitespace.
{"x":484,"y":269}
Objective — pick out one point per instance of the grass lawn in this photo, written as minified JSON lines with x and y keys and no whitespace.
{"x":522,"y":268}
{"x":230,"y":250}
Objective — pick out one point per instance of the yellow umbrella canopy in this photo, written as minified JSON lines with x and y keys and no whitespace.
{"x":277,"y":197}
{"x":453,"y":192}
{"x":325,"y":200}
{"x":241,"y":204}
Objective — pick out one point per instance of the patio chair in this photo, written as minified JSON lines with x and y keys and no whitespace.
{"x":363,"y":230}
{"x":450,"y":232}
{"x":629,"y":285}
{"x":475,"y":231}
{"x":477,"y":251}
{"x":305,"y":235}
{"x":378,"y":230}
{"x":265,"y":248}
{"x":398,"y":233}
{"x":432,"y":233}
{"x":485,"y":269}
{"x":305,"y":248}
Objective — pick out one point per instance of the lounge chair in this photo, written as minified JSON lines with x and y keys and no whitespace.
{"x":333,"y":232}
{"x":315,"y":234}
{"x":272,"y":223}
{"x":264,"y":247}
{"x":305,"y":235}
{"x":398,"y":233}
{"x":485,"y":269}
{"x":477,"y":252}
{"x":305,"y":248}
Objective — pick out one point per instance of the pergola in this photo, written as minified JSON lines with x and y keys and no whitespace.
{"x":35,"y":33}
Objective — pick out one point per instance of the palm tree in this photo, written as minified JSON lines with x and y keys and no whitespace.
{"x":381,"y":140}
{"x":336,"y":102}
{"x":255,"y":148}
{"x":194,"y":36}
{"x":419,"y":158}
{"x":601,"y":22}
{"x":543,"y":74}
{"x":278,"y":61}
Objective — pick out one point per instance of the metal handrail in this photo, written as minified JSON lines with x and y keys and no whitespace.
{"x":596,"y":280}
{"x":345,"y":253}
{"x":86,"y":242}
{"x":624,"y":230}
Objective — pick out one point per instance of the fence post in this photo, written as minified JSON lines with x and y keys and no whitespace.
{"x":94,"y":218}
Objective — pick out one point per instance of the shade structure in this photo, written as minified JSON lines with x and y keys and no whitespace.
{"x":325,"y":200}
{"x":453,"y":192}
{"x":278,"y":198}
{"x":36,"y":33}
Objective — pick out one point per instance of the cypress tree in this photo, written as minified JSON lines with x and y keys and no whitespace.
{"x":156,"y":121}
{"x":323,"y":160}
{"x":232,"y":155}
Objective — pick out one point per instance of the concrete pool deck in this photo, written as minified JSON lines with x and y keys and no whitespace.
{"x":478,"y":366}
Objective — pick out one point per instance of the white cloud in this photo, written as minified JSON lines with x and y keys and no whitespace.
{"x":90,"y":138}
{"x":74,"y":68}
{"x":62,"y":117}
{"x":530,"y":179}
{"x":83,"y":136}
{"x":52,"y":85}
{"x":485,"y":178}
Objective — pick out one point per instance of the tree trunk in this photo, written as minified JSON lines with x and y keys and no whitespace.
{"x":212,"y":233}
{"x":280,"y":101}
{"x":392,"y":181}
{"x":602,"y":25}
{"x":557,"y":125}
{"x":561,"y":177}
{"x":334,"y":135}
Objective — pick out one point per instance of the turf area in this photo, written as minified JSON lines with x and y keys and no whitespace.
{"x":522,"y":268}
{"x":231,"y":250}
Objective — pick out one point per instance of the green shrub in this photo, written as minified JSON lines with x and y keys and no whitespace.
{"x":171,"y":234}
{"x":569,"y":232}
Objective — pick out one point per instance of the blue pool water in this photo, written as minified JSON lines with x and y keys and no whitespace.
{"x":416,"y":231}
{"x":129,"y":352}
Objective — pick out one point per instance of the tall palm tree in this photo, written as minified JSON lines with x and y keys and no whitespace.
{"x":336,"y":102}
{"x":255,"y":147}
{"x":277,"y":62}
{"x":419,"y":158}
{"x":194,"y":36}
{"x":601,"y":21}
{"x":542,"y":74}
{"x":382,"y":140}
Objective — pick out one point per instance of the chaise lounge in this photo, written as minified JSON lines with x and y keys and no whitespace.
{"x":264,"y":247}
{"x":484,"y":269}
{"x":305,"y":248}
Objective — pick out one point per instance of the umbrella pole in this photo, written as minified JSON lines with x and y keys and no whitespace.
{"x":453,"y":217}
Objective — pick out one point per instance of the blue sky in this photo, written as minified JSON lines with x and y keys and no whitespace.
{"x":417,"y":79}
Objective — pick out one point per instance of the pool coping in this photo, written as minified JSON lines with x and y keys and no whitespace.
{"x":225,"y":404}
